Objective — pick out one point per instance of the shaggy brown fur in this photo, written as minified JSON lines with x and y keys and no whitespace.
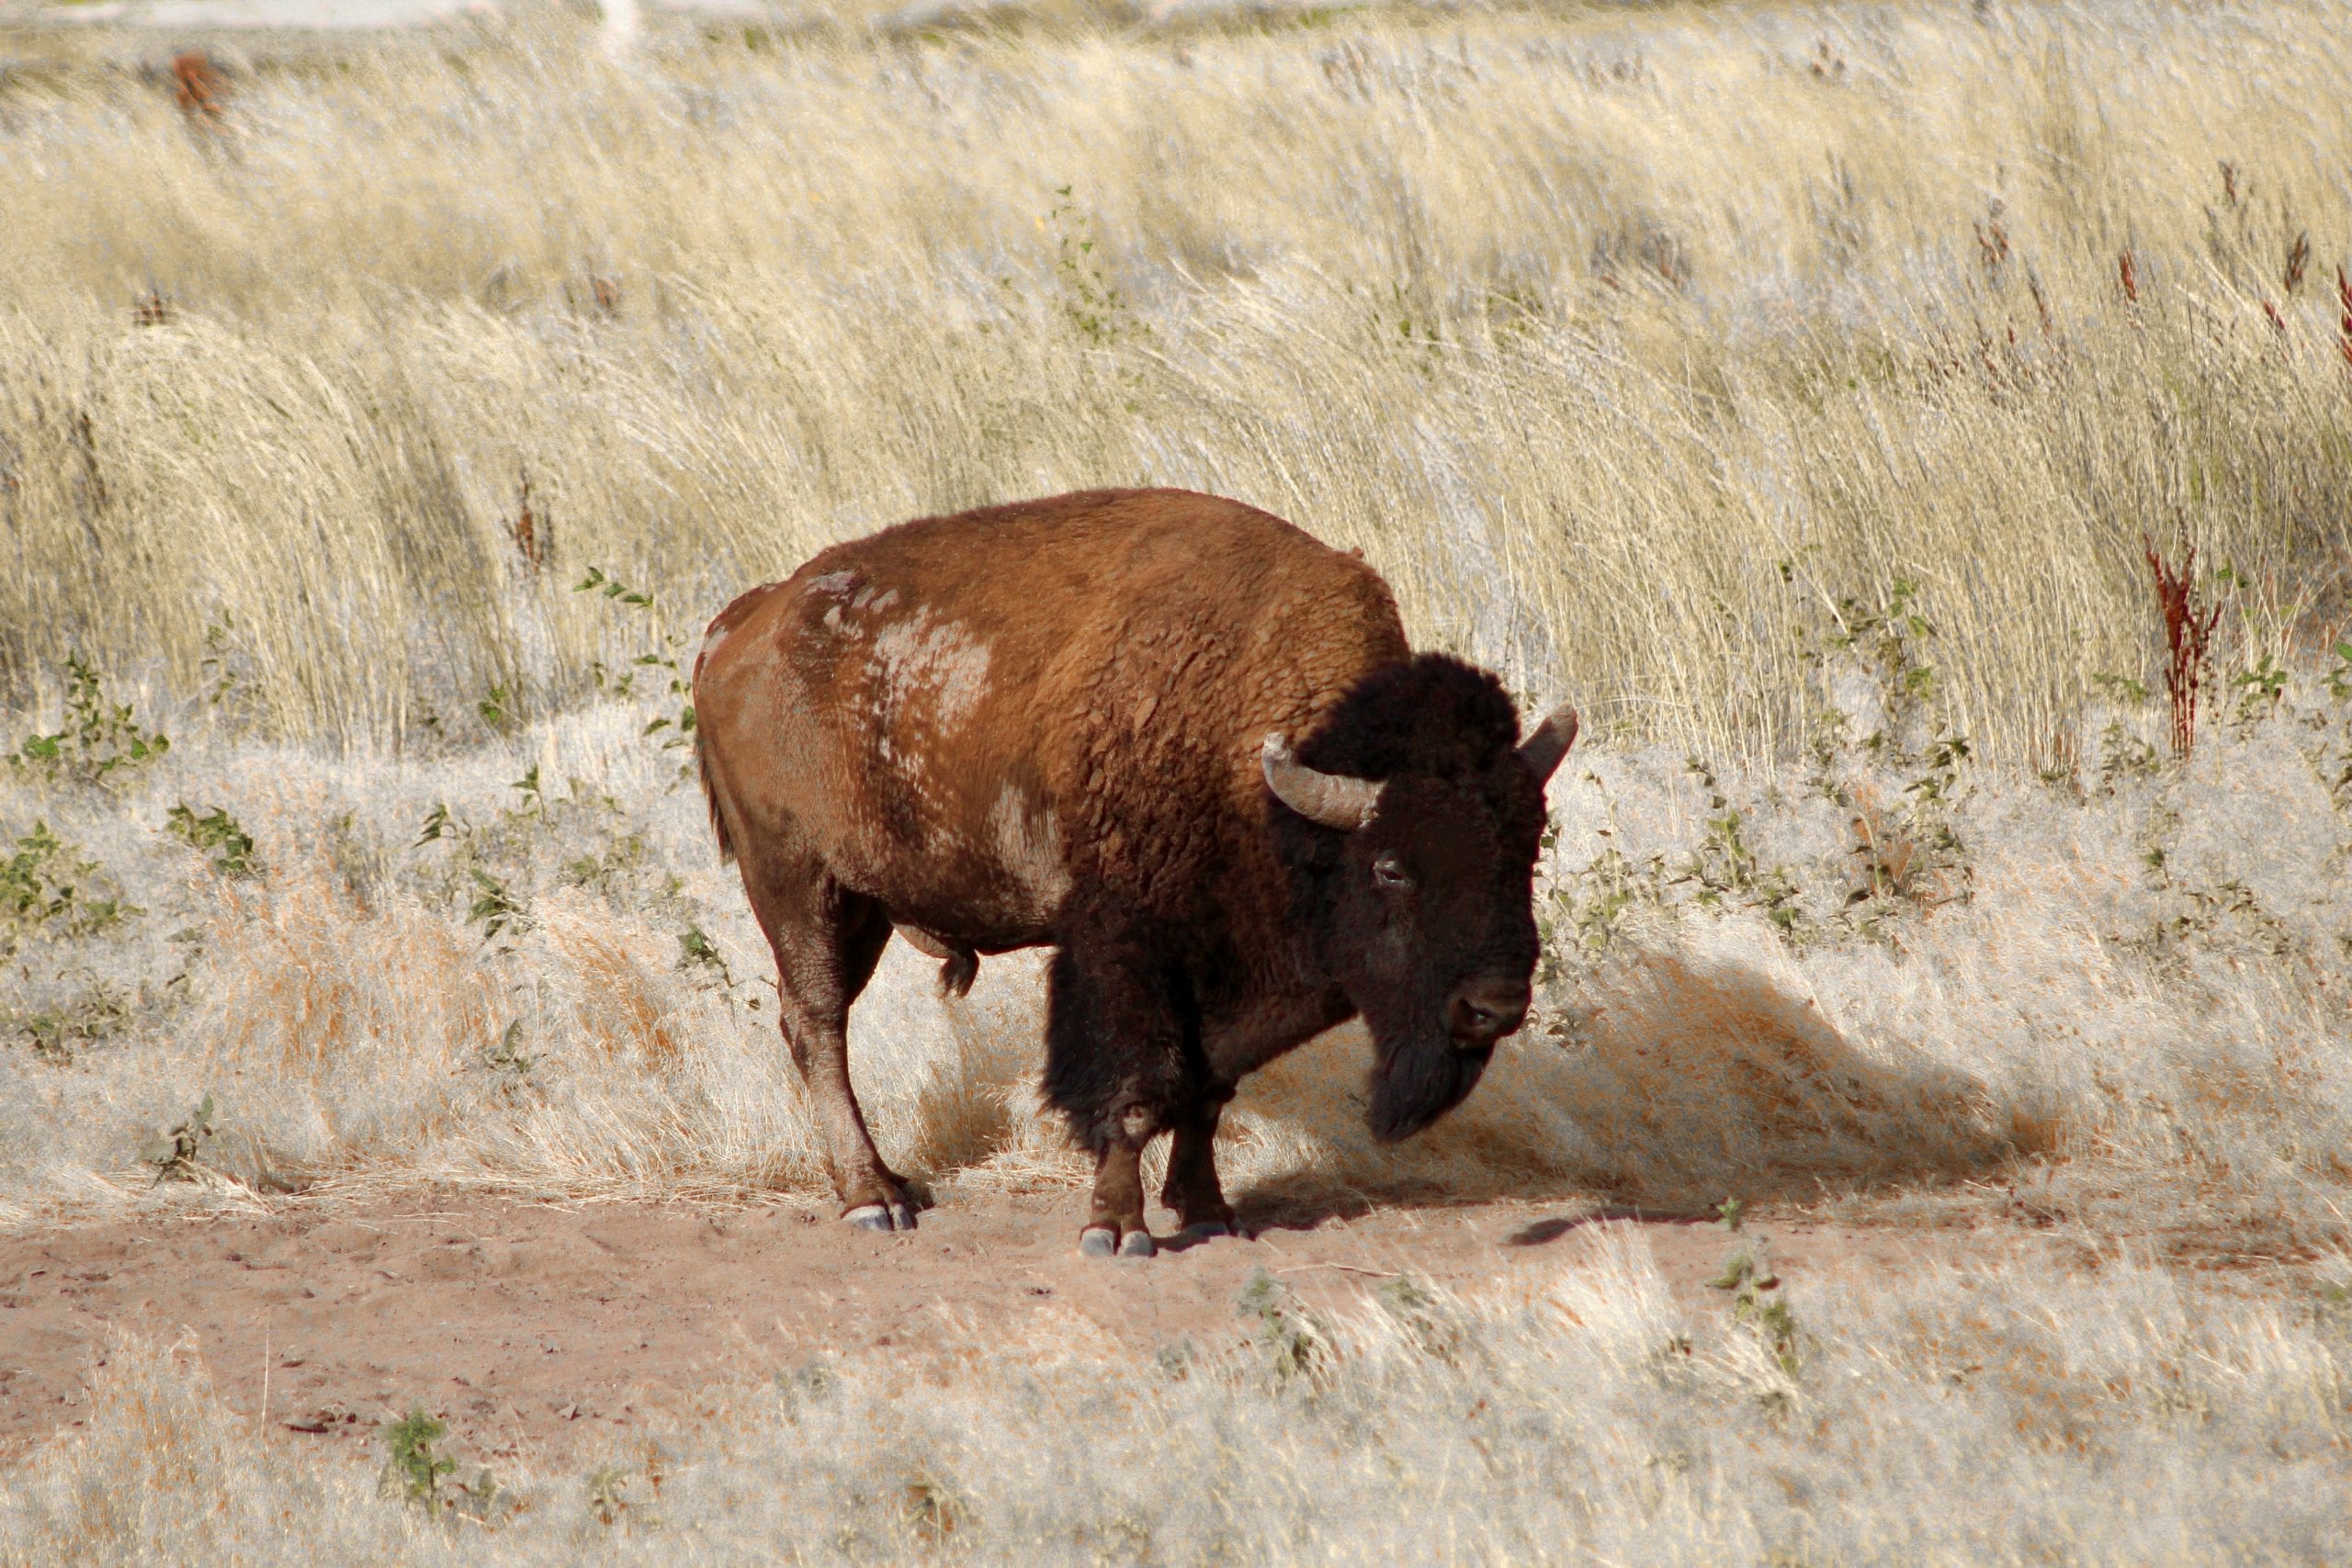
{"x":1042,"y":723}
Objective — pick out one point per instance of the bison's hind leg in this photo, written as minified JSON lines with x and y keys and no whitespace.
{"x":827,"y":941}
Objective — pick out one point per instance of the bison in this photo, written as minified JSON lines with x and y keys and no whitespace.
{"x":1173,"y":737}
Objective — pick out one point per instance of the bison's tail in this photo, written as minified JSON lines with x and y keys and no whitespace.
{"x":710,"y":798}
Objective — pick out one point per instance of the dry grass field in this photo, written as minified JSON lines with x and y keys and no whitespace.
{"x":1818,"y":394}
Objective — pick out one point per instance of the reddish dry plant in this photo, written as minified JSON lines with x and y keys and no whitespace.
{"x":2344,"y":321}
{"x":2127,"y":274}
{"x":2299,"y":257}
{"x":202,"y":91}
{"x":2277,"y":322}
{"x":607,"y":291}
{"x":151,"y":309}
{"x":532,"y":535}
{"x":1992,"y":242}
{"x":2188,"y":628}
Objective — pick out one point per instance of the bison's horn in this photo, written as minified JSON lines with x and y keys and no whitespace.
{"x":1542,"y":751}
{"x":1334,"y":799}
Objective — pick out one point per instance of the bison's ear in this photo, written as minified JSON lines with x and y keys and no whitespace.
{"x":1542,"y":751}
{"x":1334,"y":799}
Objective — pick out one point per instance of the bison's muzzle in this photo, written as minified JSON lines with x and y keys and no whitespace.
{"x":1486,"y":1010}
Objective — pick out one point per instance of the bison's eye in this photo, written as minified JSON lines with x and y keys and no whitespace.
{"x":1389,"y":872}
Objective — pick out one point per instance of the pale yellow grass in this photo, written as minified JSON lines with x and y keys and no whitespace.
{"x":1577,"y":326}
{"x":2006,"y":1414}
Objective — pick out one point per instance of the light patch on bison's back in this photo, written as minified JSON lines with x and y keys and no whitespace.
{"x":943,"y":661}
{"x":713,"y":638}
{"x":1029,"y":846}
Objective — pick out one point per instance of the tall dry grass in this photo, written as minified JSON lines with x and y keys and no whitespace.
{"x":1581,"y":325}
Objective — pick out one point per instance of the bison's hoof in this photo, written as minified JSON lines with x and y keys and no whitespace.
{"x":1101,"y":1241}
{"x":885,"y":1218}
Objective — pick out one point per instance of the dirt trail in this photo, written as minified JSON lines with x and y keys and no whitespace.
{"x":547,"y":1330}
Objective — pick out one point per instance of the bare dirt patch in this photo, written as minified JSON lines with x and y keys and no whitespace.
{"x":542,"y":1329}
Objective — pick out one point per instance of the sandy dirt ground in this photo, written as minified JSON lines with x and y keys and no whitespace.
{"x":550,"y":1331}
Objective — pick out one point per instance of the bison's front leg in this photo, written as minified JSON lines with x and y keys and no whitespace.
{"x":1191,"y":1188}
{"x":1114,"y":1224}
{"x":1116,"y":1065}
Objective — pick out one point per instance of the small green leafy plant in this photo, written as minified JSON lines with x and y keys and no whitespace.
{"x":1911,"y":858}
{"x":102,"y":740}
{"x":679,"y":724}
{"x":1601,"y":901}
{"x":1439,"y":1335}
{"x":491,"y":869}
{"x":2121,"y":690}
{"x":413,"y":1467}
{"x":1752,"y":1283}
{"x":82,"y":1019}
{"x":596,"y":581}
{"x":2259,"y":691}
{"x":173,"y":1154}
{"x":1889,"y":638}
{"x":1091,"y":303}
{"x":619,"y":859}
{"x":608,"y":1497}
{"x":46,"y":887}
{"x":535,"y":798}
{"x":696,"y":952}
{"x":507,"y":1057}
{"x":495,"y":908}
{"x":500,"y":708}
{"x":215,"y":833}
{"x":221,"y":660}
{"x":2339,"y":679}
{"x":2225,"y":917}
{"x":417,"y":1472}
{"x":1723,"y":866}
{"x":1294,"y":1345}
{"x":439,"y":823}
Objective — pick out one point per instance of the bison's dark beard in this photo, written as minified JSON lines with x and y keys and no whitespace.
{"x":1416,"y":1082}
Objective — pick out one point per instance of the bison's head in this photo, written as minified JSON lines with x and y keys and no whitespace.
{"x":1409,"y":823}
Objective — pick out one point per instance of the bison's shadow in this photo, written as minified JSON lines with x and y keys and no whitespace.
{"x":1675,"y":1081}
